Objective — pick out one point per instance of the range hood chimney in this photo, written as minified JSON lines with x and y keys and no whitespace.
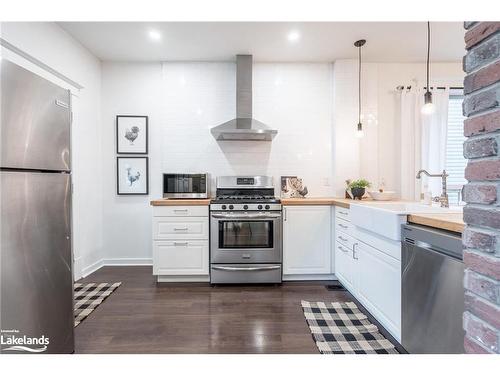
{"x":243,"y":127}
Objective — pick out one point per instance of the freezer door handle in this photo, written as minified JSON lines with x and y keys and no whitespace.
{"x":60,"y":103}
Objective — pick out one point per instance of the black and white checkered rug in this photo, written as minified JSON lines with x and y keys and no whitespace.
{"x":341,"y":328}
{"x":89,"y":296}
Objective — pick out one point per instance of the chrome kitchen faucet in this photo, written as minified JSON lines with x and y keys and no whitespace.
{"x":443,"y":198}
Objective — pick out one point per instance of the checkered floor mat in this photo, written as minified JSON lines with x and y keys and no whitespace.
{"x":89,"y":296}
{"x":341,"y":328}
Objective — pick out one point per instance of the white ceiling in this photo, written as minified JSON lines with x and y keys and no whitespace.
{"x":267,"y":41}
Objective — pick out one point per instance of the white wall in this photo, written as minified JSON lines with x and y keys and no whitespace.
{"x":51,"y":45}
{"x":130,"y":89}
{"x":184,"y":100}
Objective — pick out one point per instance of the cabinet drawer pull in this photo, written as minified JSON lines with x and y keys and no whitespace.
{"x":343,"y":213}
{"x":343,"y":226}
{"x":341,"y":248}
{"x":185,"y":228}
{"x":343,"y":239}
{"x":180,"y":243}
{"x":354,"y":251}
{"x":180,"y":210}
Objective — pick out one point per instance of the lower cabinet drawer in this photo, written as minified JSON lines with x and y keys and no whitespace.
{"x":180,"y":211}
{"x":169,"y":228}
{"x":245,"y":273}
{"x":344,"y":226}
{"x":342,"y":213}
{"x":345,"y":239}
{"x":189,"y":257}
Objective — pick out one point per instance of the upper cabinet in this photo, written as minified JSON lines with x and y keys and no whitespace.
{"x":307,"y":247}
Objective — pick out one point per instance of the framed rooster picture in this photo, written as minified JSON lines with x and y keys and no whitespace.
{"x":132,"y":175}
{"x":131,"y":134}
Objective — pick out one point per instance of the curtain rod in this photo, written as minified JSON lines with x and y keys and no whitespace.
{"x":437,"y":87}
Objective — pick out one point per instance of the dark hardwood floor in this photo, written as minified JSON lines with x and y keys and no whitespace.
{"x":142,"y":316}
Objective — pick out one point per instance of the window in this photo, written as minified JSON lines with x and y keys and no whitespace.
{"x":455,"y":161}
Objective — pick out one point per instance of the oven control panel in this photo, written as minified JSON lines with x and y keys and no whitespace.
{"x":245,"y":207}
{"x":245,"y":181}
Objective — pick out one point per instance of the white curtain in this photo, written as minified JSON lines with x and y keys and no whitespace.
{"x":423,"y":141}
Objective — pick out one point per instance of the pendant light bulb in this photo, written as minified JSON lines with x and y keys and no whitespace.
{"x":428,"y":108}
{"x":360,"y":133}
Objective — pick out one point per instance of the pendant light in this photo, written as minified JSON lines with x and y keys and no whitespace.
{"x":428,"y":108}
{"x":359,"y":132}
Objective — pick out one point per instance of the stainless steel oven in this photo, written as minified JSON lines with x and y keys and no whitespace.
{"x":245,"y":231}
{"x":245,"y":237}
{"x":195,"y":185}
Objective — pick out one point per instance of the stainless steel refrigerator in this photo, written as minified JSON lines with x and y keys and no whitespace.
{"x":36,"y":258}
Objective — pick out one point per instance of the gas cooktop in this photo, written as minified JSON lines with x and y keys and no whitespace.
{"x":245,"y":199}
{"x":253,"y":193}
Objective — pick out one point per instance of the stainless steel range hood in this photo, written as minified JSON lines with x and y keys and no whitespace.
{"x":243,"y":127}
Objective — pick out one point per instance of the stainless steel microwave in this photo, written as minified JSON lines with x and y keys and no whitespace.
{"x":185,"y":186}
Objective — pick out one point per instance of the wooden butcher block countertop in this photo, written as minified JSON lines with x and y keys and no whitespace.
{"x":448,"y":221}
{"x":180,"y":202}
{"x":341,"y":202}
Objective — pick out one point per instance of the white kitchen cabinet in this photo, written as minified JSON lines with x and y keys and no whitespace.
{"x":180,"y":257}
{"x":379,"y":286}
{"x":307,"y":242}
{"x":345,"y":268}
{"x":180,"y":243}
{"x":191,"y":228}
{"x":369,"y":266}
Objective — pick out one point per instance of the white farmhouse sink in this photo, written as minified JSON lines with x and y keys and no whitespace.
{"x":385,"y":218}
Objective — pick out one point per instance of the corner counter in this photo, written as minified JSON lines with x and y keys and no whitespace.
{"x":341,"y":202}
{"x":453,"y":222}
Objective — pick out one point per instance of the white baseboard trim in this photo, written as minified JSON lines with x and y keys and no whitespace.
{"x":77,"y":268}
{"x":128,"y":262}
{"x":183,"y":279}
{"x":92,"y":268}
{"x":318,"y":277}
{"x":116,"y":262}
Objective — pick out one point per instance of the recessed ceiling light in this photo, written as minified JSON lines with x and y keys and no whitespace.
{"x":154,"y":35}
{"x":293,"y":36}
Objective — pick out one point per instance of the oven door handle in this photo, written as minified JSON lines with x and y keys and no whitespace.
{"x":256,"y":216}
{"x":262,"y":268}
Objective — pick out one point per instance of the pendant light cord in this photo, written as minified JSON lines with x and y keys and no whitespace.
{"x":359,"y":85}
{"x":428,"y":51}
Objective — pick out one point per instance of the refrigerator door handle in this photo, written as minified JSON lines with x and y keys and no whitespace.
{"x":60,"y":103}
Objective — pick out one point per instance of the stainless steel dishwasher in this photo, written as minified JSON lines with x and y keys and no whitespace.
{"x":432,"y":290}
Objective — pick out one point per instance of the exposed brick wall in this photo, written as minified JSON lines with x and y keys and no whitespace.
{"x":481,"y":237}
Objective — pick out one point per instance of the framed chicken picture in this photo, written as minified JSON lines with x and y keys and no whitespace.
{"x":132,"y":175}
{"x":131,"y":134}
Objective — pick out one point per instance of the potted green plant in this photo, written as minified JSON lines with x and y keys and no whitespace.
{"x":358,"y":187}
